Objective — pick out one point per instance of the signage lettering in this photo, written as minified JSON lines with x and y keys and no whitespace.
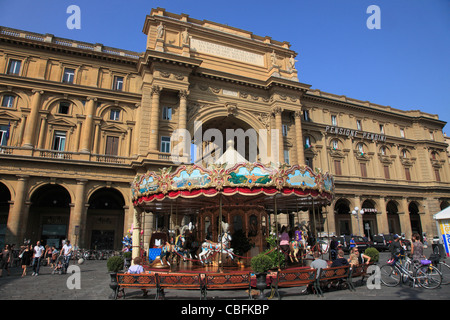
{"x":355,"y":133}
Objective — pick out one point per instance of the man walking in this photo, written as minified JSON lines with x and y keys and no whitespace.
{"x":38,"y":253}
{"x":67,"y":253}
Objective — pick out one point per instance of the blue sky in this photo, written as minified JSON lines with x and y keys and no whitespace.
{"x":405,"y":64}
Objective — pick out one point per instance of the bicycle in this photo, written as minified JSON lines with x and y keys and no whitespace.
{"x":442,"y":266}
{"x":426,"y":275}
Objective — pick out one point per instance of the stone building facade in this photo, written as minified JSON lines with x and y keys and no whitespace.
{"x":79,"y":120}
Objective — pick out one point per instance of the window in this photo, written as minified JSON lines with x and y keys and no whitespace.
{"x":431,"y":135}
{"x":360,"y":148}
{"x":4,"y":135}
{"x":118,"y":83}
{"x":59,"y":141}
{"x":333,"y":120}
{"x":404,"y":153}
{"x":165,"y":144}
{"x":14,"y":67}
{"x":114,"y":115}
{"x":309,"y":162}
{"x":402,"y":132}
{"x":407,"y":174}
{"x":307,"y":142}
{"x":359,"y":125}
{"x":335,"y":145}
{"x":437,"y":175}
{"x":167,"y":113}
{"x":383,"y":151}
{"x":286,"y":156}
{"x":306,"y":115}
{"x":363,"y":168}
{"x":386,"y":172}
{"x":381,"y":129}
{"x":285,"y":130}
{"x":337,"y":168}
{"x":112,"y":146}
{"x":64,"y":107}
{"x":69,"y":75}
{"x":8,"y":101}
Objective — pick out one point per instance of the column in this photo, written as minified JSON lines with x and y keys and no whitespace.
{"x":279,"y":126}
{"x":299,"y":137}
{"x":17,"y":214}
{"x":154,"y":119}
{"x":405,"y":220}
{"x":42,"y":132}
{"x":382,"y":219}
{"x":183,"y":109}
{"x":77,"y":216}
{"x":32,"y":121}
{"x":136,"y":232}
{"x":182,"y":121}
{"x":357,"y":224}
{"x":86,"y":137}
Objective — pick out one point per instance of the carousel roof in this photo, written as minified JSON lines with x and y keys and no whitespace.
{"x":191,"y":187}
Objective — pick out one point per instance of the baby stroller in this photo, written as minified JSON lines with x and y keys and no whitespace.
{"x":59,"y":265}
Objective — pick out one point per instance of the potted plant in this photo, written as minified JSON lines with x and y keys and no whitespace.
{"x":373,"y":253}
{"x":260,"y":265}
{"x":114,"y":265}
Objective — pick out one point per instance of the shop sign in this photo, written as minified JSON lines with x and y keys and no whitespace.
{"x":355,"y":133}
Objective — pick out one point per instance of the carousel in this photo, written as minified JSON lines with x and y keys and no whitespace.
{"x":221,"y":200}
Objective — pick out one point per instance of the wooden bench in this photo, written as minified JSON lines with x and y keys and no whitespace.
{"x":137,"y":281}
{"x":223,"y":281}
{"x":356,"y":272}
{"x":190,"y":281}
{"x":293,"y":278}
{"x":327,"y":275}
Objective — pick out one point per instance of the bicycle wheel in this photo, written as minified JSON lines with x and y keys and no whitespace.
{"x":445,"y":271}
{"x":390,"y":275}
{"x":428,"y":277}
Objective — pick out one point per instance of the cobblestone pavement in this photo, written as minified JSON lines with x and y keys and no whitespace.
{"x":94,"y":281}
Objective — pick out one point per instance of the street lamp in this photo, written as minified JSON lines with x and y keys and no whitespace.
{"x":356,"y":212}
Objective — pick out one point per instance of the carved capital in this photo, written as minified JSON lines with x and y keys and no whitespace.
{"x":156,"y":90}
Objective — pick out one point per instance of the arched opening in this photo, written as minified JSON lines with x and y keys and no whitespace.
{"x":393,"y":218}
{"x":49,"y":215}
{"x":216,"y":133}
{"x":369,"y":218}
{"x":343,"y":217}
{"x":105,"y":217}
{"x":444,"y":204}
{"x":416,"y":225}
{"x":5,"y":198}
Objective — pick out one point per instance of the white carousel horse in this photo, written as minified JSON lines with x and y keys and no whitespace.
{"x":223,"y":246}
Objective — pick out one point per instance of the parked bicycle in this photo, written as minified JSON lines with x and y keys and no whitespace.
{"x":442,"y":266}
{"x":425,"y":275}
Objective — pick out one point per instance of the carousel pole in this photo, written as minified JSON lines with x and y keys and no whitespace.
{"x":276,"y":226}
{"x":220,"y":233}
{"x":314,"y":219}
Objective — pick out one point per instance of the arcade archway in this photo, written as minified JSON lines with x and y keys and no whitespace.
{"x":5,"y":198}
{"x":105,"y":220}
{"x":49,"y":215}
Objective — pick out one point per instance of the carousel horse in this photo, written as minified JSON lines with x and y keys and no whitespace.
{"x":223,"y":246}
{"x":206,"y":252}
{"x":294,"y":247}
{"x":162,"y":261}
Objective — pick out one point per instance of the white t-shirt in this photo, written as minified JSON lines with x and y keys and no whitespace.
{"x":38,"y":251}
{"x":66,"y":249}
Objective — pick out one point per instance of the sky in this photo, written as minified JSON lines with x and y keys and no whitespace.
{"x":405,"y":63}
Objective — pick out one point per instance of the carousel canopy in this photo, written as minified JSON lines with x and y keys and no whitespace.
{"x":190,"y":187}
